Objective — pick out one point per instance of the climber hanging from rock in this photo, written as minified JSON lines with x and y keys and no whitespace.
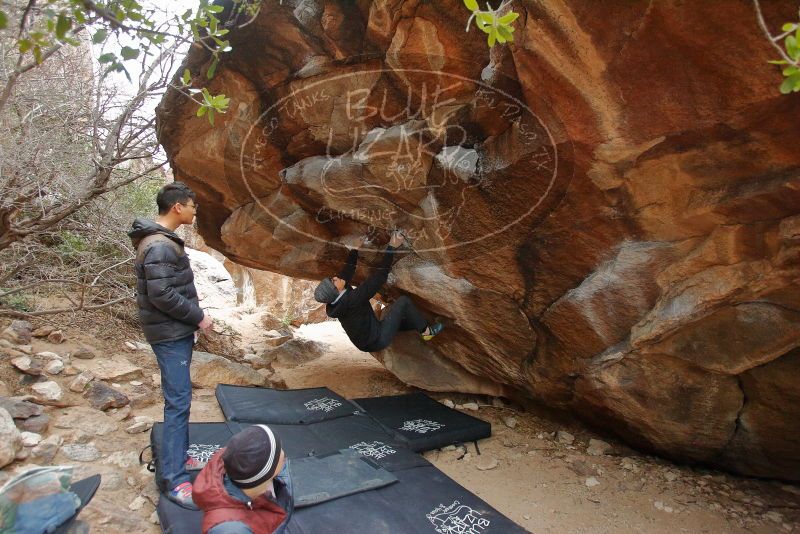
{"x":352,"y":305}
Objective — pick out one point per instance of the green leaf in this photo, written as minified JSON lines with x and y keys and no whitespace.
{"x":211,"y":116}
{"x":791,"y":47}
{"x":63,"y":25}
{"x":790,"y":84}
{"x":201,"y":111}
{"x":788,"y":27}
{"x":212,"y":69}
{"x":24,"y":45}
{"x":484,"y":18}
{"x":472,"y":5}
{"x":492,"y":37}
{"x":778,"y":62}
{"x":187,"y":77}
{"x":215,"y":9}
{"x":3,"y":20}
{"x":505,"y":34}
{"x":505,"y":20}
{"x":100,"y":36}
{"x":129,"y":53}
{"x":108,"y":57}
{"x":79,"y":16}
{"x":186,"y":15}
{"x":788,"y":71}
{"x":37,"y":54}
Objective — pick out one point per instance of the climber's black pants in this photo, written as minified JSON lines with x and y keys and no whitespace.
{"x":402,"y":315}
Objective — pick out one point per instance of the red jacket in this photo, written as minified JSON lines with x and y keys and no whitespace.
{"x":263,"y":516}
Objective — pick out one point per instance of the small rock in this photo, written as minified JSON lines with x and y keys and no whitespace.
{"x":43,"y":331}
{"x":497,"y":402}
{"x":48,"y":356}
{"x":103,"y":397}
{"x":80,"y":437}
{"x":20,"y":409}
{"x":486,"y":463}
{"x":115,"y":385}
{"x":592,"y":482}
{"x":629,"y":465}
{"x":510,"y":422}
{"x":671,"y":476}
{"x":54,"y":367}
{"x":79,"y":383}
{"x":56,"y":336}
{"x":449,"y":448}
{"x":774,"y":516}
{"x":84,"y":353}
{"x":10,"y":438}
{"x":156,"y":378}
{"x":564,"y":437}
{"x":47,"y":449}
{"x":135,"y":383}
{"x":130,"y":345}
{"x":137,"y":504}
{"x":120,"y":414}
{"x":81,"y":453}
{"x":138,"y":428}
{"x":23,"y":454}
{"x":472,"y":406}
{"x":38,"y":424}
{"x":26,"y":349}
{"x":47,"y":392}
{"x":18,"y":333}
{"x":659,"y":505}
{"x":526,"y":517}
{"x":28,"y":365}
{"x":70,"y":371}
{"x":448,"y":403}
{"x":597,"y":447}
{"x":791,"y":489}
{"x":30,"y":439}
{"x":125,"y":460}
{"x":112,"y":369}
{"x":86,"y":419}
{"x":142,"y":398}
{"x":154,"y":518}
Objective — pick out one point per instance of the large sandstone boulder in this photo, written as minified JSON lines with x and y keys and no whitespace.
{"x":604,"y":213}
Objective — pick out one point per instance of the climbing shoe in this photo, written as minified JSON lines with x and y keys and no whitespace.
{"x":433,"y":330}
{"x":182,"y":496}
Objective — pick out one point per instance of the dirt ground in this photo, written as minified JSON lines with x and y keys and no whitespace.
{"x":542,"y":483}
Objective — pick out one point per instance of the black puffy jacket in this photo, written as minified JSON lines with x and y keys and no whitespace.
{"x":166,"y":296}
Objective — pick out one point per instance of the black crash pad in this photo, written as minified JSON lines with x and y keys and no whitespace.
{"x":277,"y":406}
{"x":423,"y":423}
{"x":424,"y":500}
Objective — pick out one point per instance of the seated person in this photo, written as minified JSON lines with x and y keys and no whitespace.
{"x":240,"y":490}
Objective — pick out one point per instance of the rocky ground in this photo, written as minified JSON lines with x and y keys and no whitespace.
{"x":68,"y":398}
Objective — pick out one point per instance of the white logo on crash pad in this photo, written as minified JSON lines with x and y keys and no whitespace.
{"x":325,"y":404}
{"x":201,"y":452}
{"x":373,"y":449}
{"x":421,"y":426}
{"x":457,"y":518}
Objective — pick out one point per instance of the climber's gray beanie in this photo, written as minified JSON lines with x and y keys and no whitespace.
{"x":326,"y":292}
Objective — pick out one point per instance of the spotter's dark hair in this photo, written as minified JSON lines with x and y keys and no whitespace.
{"x":174,"y":193}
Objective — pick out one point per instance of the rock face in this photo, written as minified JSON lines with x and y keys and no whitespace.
{"x":605,"y":214}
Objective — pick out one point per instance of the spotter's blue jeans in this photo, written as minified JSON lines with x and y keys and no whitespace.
{"x":174,"y":359}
